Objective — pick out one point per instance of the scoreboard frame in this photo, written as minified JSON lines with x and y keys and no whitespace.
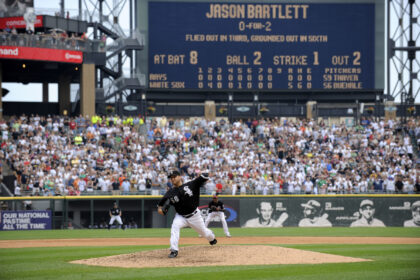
{"x":316,"y":93}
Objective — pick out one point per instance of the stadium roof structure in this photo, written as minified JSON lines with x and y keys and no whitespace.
{"x":29,"y":71}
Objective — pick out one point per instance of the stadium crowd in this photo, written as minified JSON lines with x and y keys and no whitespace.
{"x":58,"y":155}
{"x":55,"y":39}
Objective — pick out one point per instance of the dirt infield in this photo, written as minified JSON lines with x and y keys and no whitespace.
{"x":228,"y":251}
{"x":218,"y":256}
{"x":201,"y":241}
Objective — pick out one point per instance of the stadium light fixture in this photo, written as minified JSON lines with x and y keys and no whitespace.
{"x":23,"y":65}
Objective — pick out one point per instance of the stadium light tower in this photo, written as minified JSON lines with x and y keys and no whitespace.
{"x":403,"y":35}
{"x":113,"y":20}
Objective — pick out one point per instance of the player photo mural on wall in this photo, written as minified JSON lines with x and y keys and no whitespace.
{"x":366,"y":216}
{"x":266,"y":217}
{"x":313,"y":216}
{"x":415,"y":212}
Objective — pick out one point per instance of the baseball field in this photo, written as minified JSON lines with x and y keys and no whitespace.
{"x":298,"y":253}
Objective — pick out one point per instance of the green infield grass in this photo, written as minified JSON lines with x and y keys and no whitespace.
{"x":389,"y":261}
{"x":161,"y":232}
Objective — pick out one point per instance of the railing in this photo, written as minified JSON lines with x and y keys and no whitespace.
{"x":121,"y":42}
{"x":5,"y":190}
{"x":155,"y":191}
{"x":122,"y":81}
{"x":51,"y":42}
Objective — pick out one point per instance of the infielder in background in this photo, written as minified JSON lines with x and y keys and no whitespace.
{"x":115,"y":215}
{"x":216,"y":208}
{"x":185,"y":198}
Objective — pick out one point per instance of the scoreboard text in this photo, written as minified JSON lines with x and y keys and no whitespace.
{"x":261,"y":46}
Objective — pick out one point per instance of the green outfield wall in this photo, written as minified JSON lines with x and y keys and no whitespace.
{"x":240,"y":211}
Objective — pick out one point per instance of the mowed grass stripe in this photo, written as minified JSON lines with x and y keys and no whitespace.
{"x":165,"y":232}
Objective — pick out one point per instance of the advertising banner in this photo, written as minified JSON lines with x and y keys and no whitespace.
{"x":25,"y":220}
{"x":331,"y":212}
{"x":44,"y":54}
{"x":18,"y":22}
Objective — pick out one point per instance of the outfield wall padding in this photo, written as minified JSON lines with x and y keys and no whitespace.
{"x":240,"y":211}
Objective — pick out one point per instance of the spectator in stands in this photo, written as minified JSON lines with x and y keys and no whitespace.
{"x":277,"y":155}
{"x":125,"y":186}
{"x":115,"y":186}
{"x":399,"y":185}
{"x":17,"y":190}
{"x":378,"y":184}
{"x":417,"y":185}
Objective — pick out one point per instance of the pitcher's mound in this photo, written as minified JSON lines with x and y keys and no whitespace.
{"x":218,"y":256}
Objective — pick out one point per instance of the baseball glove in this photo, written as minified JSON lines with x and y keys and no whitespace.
{"x":214,"y":208}
{"x":165,"y":207}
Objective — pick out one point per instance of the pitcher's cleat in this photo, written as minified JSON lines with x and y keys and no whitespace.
{"x":173,"y":254}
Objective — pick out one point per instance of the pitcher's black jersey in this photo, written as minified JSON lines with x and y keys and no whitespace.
{"x":186,"y":197}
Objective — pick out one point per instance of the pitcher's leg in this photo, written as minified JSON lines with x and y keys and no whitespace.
{"x":196,"y":222}
{"x":178,"y":223}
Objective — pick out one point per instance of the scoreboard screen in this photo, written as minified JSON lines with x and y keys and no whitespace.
{"x":279,"y":46}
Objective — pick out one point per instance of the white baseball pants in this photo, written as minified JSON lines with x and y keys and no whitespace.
{"x":222,"y":218}
{"x":117,"y":218}
{"x":195,"y":222}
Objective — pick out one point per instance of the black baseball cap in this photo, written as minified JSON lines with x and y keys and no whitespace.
{"x":174,"y":174}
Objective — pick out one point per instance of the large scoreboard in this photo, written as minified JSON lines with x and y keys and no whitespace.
{"x":261,"y":46}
